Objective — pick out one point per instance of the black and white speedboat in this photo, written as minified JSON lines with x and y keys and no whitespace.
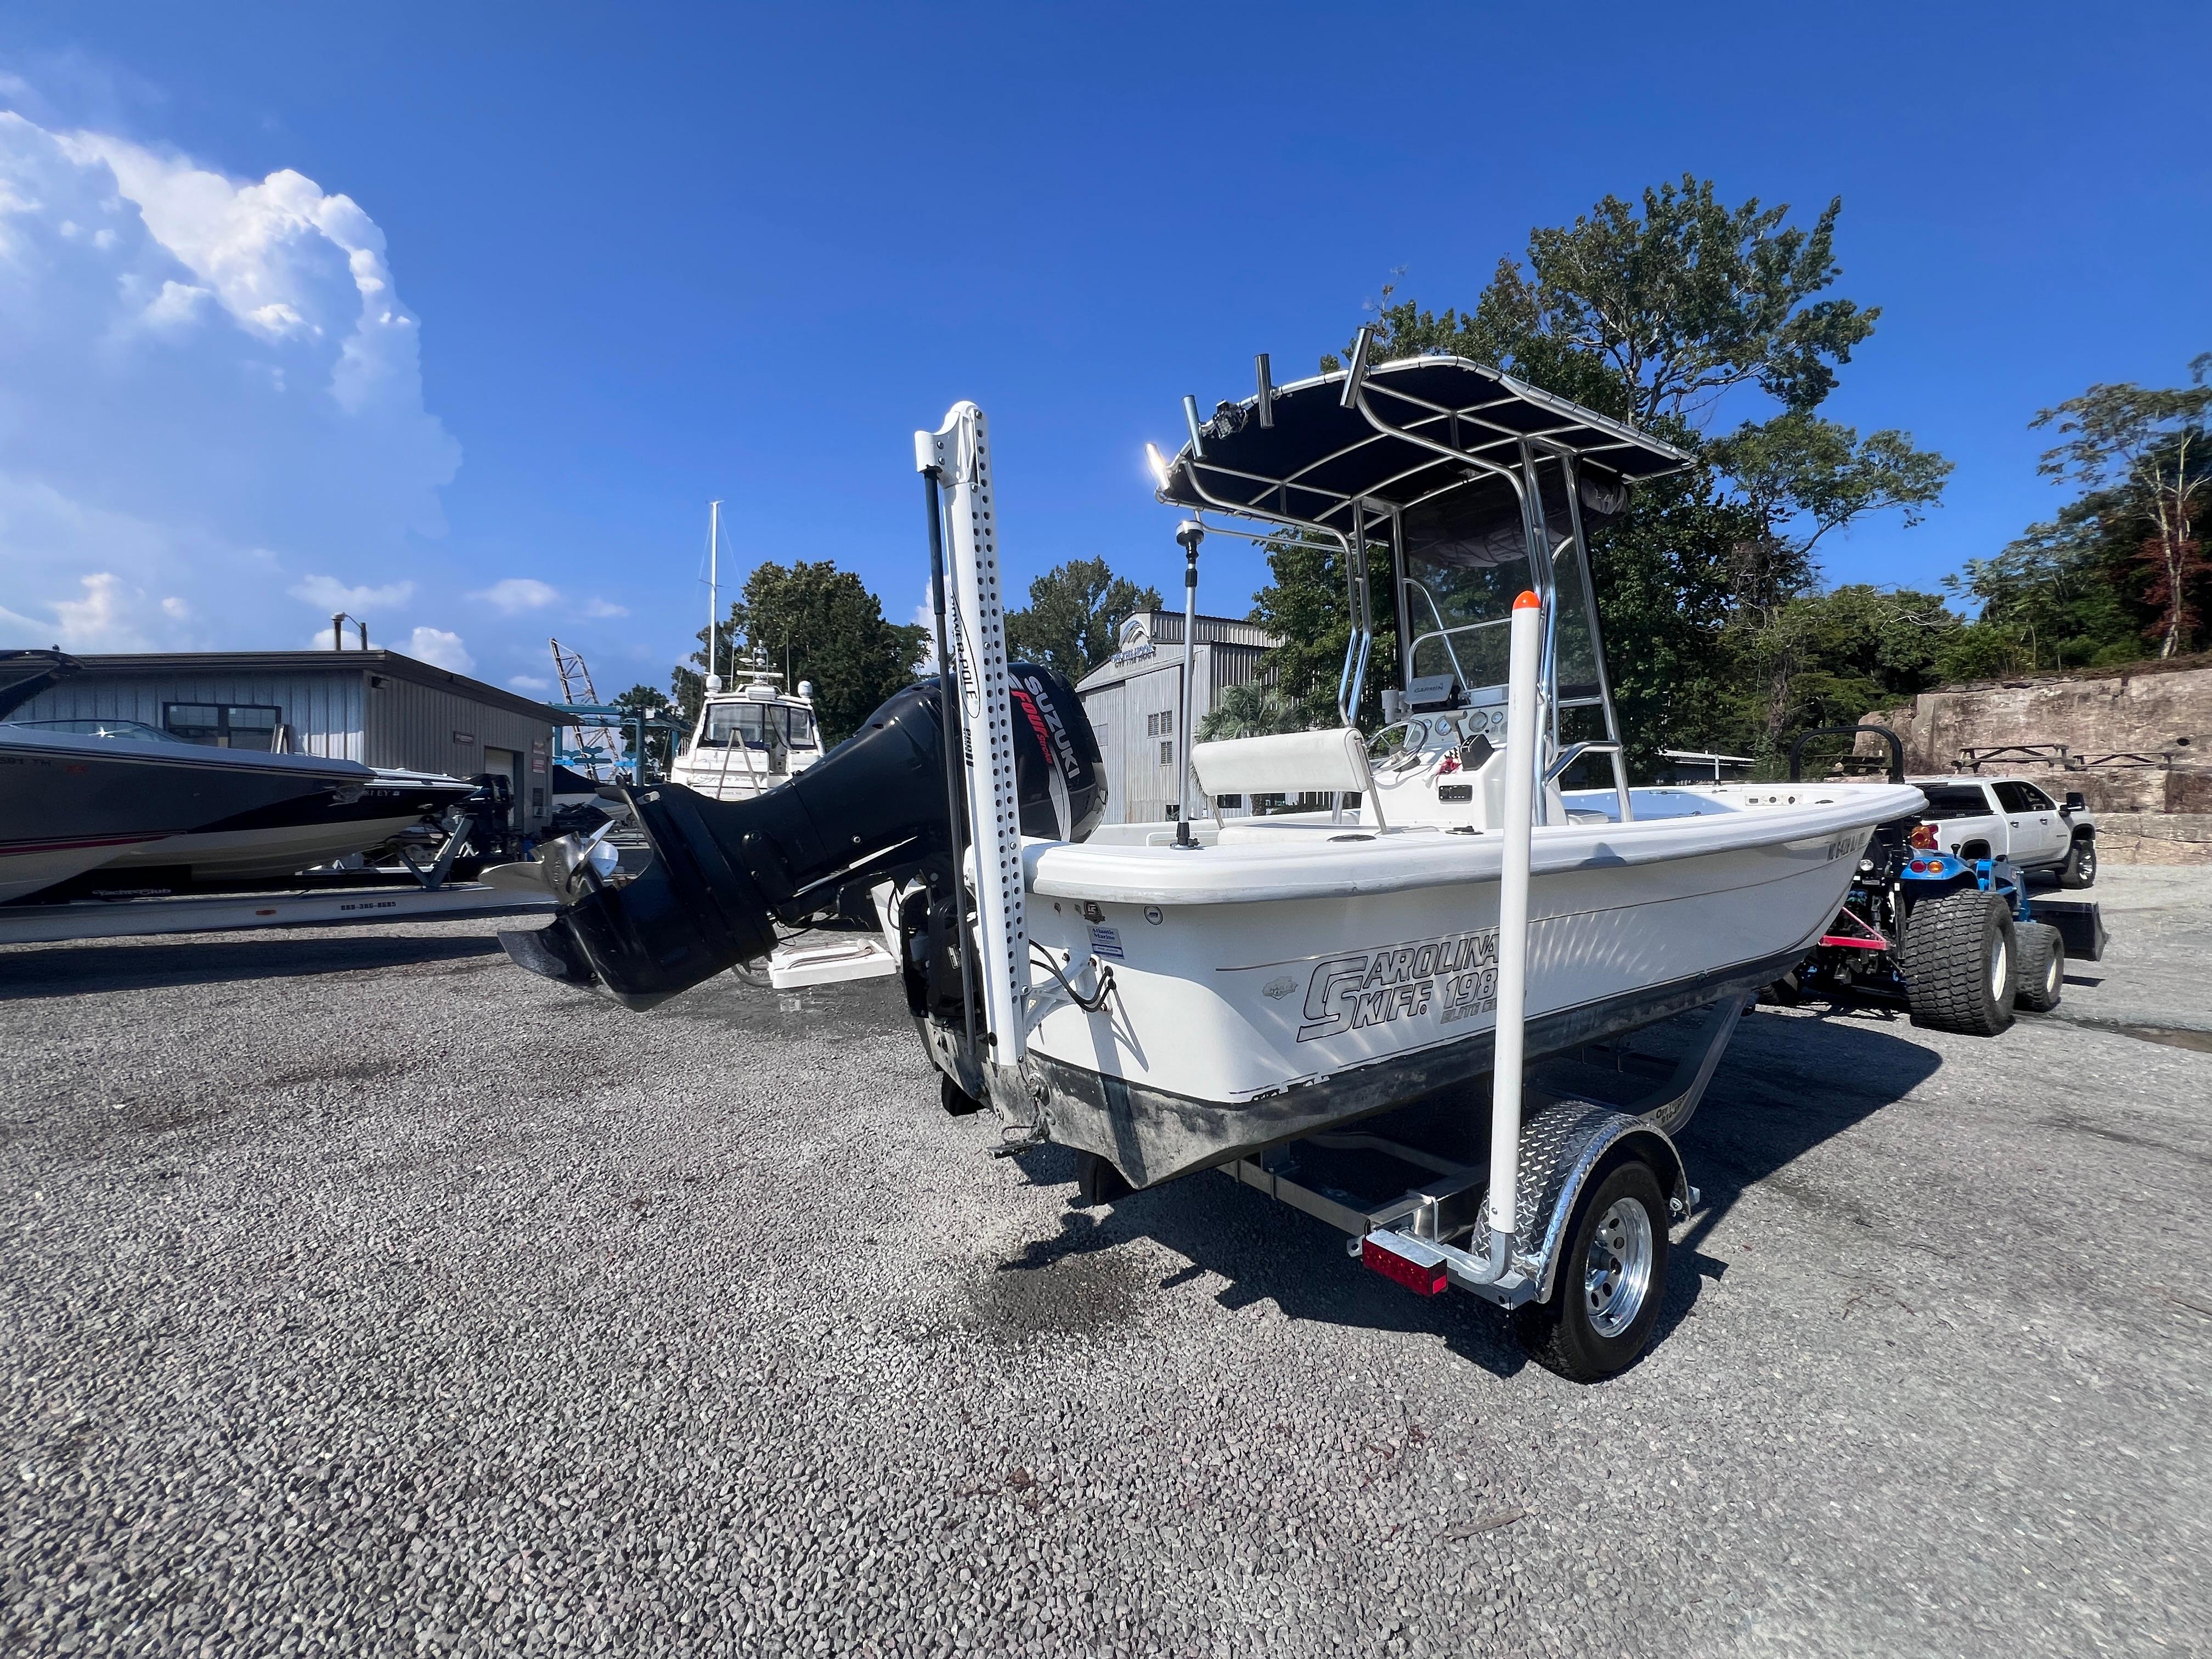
{"x":78,"y":795}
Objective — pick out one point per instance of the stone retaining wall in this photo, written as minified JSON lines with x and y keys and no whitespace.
{"x":2159,"y":813}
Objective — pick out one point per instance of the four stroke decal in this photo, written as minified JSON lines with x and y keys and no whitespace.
{"x":1456,"y":975}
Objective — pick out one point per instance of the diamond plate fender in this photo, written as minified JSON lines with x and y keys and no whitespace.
{"x":1562,"y":1146}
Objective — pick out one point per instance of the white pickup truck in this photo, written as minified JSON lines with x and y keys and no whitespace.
{"x":1978,"y":818}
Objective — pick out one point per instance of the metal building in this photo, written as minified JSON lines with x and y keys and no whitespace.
{"x":1133,"y":696}
{"x":376,"y":707}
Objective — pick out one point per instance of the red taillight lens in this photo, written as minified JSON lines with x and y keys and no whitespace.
{"x":1919,"y":866}
{"x":1424,"y":1280}
{"x":1923,"y":836}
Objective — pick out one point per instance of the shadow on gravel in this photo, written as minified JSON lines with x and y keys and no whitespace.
{"x":1267,"y":1251}
{"x":861,"y":1008}
{"x":65,"y":970}
{"x":1787,"y":1084}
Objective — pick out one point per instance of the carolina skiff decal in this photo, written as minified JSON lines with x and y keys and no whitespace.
{"x":1276,"y":990}
{"x":1456,"y":975}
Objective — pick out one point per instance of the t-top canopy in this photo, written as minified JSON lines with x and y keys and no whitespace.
{"x":1323,"y":452}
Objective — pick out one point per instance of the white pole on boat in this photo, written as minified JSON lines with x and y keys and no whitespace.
{"x":1525,"y":657}
{"x":1190,"y":533}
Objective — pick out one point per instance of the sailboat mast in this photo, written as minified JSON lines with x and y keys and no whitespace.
{"x":714,"y":578}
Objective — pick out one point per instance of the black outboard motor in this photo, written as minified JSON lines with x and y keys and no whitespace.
{"x":873,"y":809}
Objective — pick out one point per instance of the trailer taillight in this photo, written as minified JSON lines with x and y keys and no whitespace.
{"x":1422,"y":1277}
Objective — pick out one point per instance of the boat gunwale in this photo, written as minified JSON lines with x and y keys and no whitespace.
{"x":1399,"y":861}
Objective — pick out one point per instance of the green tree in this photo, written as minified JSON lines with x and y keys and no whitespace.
{"x":1069,"y":623}
{"x":1831,"y":656}
{"x":2054,"y":598}
{"x":1650,"y":316}
{"x":1251,"y":711}
{"x":1305,"y":606}
{"x":2137,"y":443}
{"x":1802,"y":476}
{"x":812,"y":620}
{"x":1654,"y":312}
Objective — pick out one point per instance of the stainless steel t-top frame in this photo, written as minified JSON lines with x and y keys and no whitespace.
{"x":1348,"y":453}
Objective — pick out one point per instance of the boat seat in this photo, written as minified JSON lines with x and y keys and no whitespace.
{"x":1288,"y":764}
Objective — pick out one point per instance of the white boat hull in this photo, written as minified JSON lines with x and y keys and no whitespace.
{"x":1244,"y":1021}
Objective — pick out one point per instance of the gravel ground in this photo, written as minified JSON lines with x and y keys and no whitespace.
{"x":365,"y":1296}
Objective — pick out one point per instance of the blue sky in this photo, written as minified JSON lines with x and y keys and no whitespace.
{"x":653,"y":256}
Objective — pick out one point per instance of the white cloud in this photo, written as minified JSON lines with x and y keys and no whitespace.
{"x":605,"y":608}
{"x":925,"y":618}
{"x":333,"y":595}
{"x":529,"y":683}
{"x":439,"y":649}
{"x":516,"y":594}
{"x":207,"y":382}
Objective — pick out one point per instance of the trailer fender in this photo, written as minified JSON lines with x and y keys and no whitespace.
{"x":1563,"y":1146}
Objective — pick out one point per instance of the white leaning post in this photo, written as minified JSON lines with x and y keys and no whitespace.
{"x":960,"y":450}
{"x":1525,"y":653}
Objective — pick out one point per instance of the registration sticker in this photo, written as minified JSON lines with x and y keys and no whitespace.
{"x":1107,"y":942}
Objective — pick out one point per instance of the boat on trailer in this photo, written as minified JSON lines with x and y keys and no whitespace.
{"x":1196,"y":993}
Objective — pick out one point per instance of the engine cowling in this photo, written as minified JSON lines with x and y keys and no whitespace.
{"x":724,"y":873}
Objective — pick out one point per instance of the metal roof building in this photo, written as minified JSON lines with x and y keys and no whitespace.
{"x":1132,"y":699}
{"x":376,"y":707}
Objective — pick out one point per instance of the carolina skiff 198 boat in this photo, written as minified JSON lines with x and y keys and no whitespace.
{"x":1167,"y":997}
{"x":78,"y":795}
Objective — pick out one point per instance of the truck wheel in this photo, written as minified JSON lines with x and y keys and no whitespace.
{"x":1960,"y":958}
{"x":2042,"y":967}
{"x":1611,"y":1278}
{"x":2079,"y":869}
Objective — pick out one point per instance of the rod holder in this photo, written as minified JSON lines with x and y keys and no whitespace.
{"x":1197,"y":434}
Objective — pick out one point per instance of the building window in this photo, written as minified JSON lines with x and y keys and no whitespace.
{"x":223,"y":725}
{"x":1229,"y":803}
{"x":1161,"y":725}
{"x":1167,"y":754}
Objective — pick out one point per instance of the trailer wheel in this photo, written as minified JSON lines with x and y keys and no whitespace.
{"x":2079,"y":869}
{"x":957,"y":1100}
{"x":1611,"y":1278}
{"x":1959,"y":956}
{"x":2042,"y":967}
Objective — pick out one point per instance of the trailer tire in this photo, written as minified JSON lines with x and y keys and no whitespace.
{"x":2042,"y":967}
{"x":2079,"y":869}
{"x":1961,"y":958}
{"x":955,"y":1100}
{"x":1611,"y":1278}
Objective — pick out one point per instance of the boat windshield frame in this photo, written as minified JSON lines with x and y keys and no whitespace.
{"x":1346,"y":456}
{"x":708,"y":736}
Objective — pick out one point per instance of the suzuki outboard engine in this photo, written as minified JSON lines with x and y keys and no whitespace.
{"x":724,"y":872}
